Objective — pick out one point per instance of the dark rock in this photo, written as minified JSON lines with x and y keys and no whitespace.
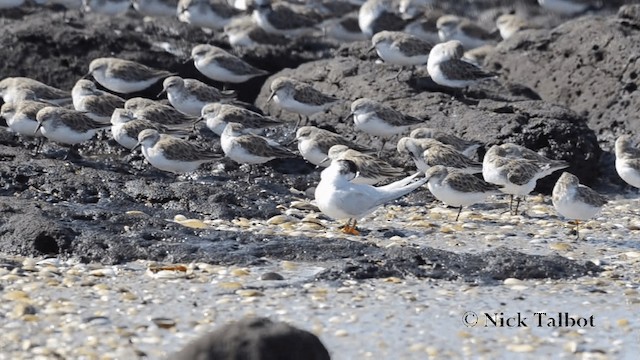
{"x":271,"y":276}
{"x":30,"y":230}
{"x":488,"y":112}
{"x":255,"y":339}
{"x":487,"y":267}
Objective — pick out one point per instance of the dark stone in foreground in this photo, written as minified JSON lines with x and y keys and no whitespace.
{"x":498,"y":264}
{"x":255,"y":339}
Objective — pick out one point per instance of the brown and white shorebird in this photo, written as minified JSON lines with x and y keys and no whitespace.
{"x":11,"y":87}
{"x":157,"y":112}
{"x":343,"y":29}
{"x":458,"y":189}
{"x":124,"y":76}
{"x":314,"y":144}
{"x":206,"y":14}
{"x":425,"y":27}
{"x":190,"y":95}
{"x":20,"y":115}
{"x":219,"y":65}
{"x":97,"y":104}
{"x":371,"y":170}
{"x":427,"y":153}
{"x":467,"y":147}
{"x":399,"y":48}
{"x":65,"y":126}
{"x":509,"y":24}
{"x":218,"y":115}
{"x":246,"y":148}
{"x":446,"y":68}
{"x":172,"y":154}
{"x":243,"y":32}
{"x":283,"y":20}
{"x":378,"y":15}
{"x":517,"y":175}
{"x":125,"y":128}
{"x":374,"y":118}
{"x":628,"y":160}
{"x":299,"y":97}
{"x":576,"y":201}
{"x":452,"y":27}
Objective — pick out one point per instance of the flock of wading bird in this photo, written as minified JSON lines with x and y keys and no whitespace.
{"x":347,"y":190}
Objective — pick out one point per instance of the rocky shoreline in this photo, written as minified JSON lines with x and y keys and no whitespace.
{"x":80,"y":239}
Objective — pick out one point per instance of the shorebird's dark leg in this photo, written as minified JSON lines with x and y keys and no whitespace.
{"x":298,"y":123}
{"x":399,"y":72}
{"x":577,"y":229}
{"x":517,"y":205}
{"x":384,"y":141}
{"x":459,"y":211}
{"x":39,"y":142}
{"x":72,"y":151}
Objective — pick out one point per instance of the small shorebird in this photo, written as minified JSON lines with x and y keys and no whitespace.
{"x":124,"y":76}
{"x":576,"y":201}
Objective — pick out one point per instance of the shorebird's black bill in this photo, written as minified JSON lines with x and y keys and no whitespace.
{"x":271,"y":97}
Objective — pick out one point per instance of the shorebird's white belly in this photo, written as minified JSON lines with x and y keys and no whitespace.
{"x":393,"y":55}
{"x":453,"y":197}
{"x":289,"y":104}
{"x":123,"y":86}
{"x":156,"y":158}
{"x":186,"y":104}
{"x":120,"y":136}
{"x":218,"y":73}
{"x":373,"y":125}
{"x":577,"y":210}
{"x":312,"y":153}
{"x":441,"y":78}
{"x":23,"y":125}
{"x":630,"y":175}
{"x":65,"y":135}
